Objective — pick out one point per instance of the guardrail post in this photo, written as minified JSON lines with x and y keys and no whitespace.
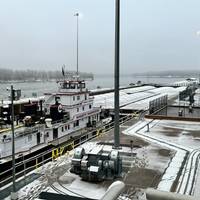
{"x":52,"y":154}
{"x":42,"y":161}
{"x":148,"y":127}
{"x":36,"y":163}
{"x":24,"y":168}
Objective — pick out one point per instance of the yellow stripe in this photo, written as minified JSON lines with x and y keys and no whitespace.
{"x":9,"y":129}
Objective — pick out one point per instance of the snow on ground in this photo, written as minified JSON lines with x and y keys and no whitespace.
{"x":180,"y":136}
{"x":140,"y":130}
{"x":179,"y":132}
{"x":172,"y":171}
{"x":78,"y":188}
{"x":197,"y":189}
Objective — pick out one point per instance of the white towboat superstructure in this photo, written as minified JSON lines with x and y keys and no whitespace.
{"x":65,"y":112}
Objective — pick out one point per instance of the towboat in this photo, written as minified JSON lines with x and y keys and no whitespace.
{"x":51,"y":121}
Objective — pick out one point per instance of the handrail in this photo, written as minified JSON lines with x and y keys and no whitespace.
{"x":104,"y":128}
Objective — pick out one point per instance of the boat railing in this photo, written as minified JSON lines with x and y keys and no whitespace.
{"x":41,"y":159}
{"x":59,"y":121}
{"x":74,"y":105}
{"x":22,"y":133}
{"x":30,"y":130}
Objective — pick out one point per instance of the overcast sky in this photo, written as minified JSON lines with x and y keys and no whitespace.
{"x":155,"y":35}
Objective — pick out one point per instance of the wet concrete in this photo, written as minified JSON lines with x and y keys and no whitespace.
{"x":180,"y":132}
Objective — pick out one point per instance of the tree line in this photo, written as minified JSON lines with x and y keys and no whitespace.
{"x":35,"y":75}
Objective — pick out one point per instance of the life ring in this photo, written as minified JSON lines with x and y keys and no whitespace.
{"x":60,"y":108}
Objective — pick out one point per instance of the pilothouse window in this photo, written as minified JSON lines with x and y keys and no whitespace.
{"x":29,"y":138}
{"x":66,"y":85}
{"x":72,"y":86}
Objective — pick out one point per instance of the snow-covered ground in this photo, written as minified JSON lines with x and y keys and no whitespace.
{"x":180,"y":136}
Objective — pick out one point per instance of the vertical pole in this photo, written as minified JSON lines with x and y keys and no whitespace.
{"x":13,"y":194}
{"x":199,"y":79}
{"x":117,"y":61}
{"x":77,"y":50}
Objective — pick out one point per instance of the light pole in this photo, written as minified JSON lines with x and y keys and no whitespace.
{"x":14,"y":195}
{"x":117,"y":63}
{"x":77,"y":35}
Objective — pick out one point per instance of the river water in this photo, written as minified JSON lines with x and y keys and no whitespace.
{"x":40,"y":87}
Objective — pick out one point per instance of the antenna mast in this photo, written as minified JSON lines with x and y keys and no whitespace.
{"x":77,"y":50}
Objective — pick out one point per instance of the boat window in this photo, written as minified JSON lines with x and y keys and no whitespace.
{"x":90,"y":106}
{"x":66,"y":127}
{"x":29,"y":138}
{"x":82,"y":85}
{"x":62,"y":129}
{"x":77,"y":123}
{"x":85,"y":96}
{"x":83,"y":108}
{"x":77,"y":109}
{"x":78,"y":97}
{"x":47,"y":134}
{"x":69,"y":126}
{"x":73,"y":98}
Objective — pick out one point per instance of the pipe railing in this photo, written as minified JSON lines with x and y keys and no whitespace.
{"x":40,"y":161}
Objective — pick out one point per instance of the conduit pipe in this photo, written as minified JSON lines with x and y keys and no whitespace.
{"x":152,"y":194}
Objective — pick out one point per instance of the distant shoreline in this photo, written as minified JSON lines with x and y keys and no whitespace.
{"x":33,"y":81}
{"x":144,"y":76}
{"x":26,"y":81}
{"x":96,"y":76}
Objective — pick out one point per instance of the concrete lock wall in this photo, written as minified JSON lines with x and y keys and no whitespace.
{"x":152,"y":194}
